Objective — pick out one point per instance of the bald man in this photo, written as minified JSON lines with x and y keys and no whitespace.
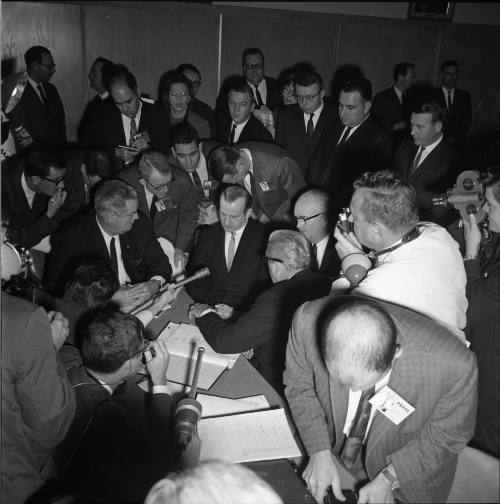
{"x":314,"y":221}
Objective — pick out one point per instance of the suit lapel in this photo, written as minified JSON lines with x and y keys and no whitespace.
{"x":339,"y":398}
{"x":244,"y":242}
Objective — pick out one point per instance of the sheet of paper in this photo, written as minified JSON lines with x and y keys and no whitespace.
{"x":216,"y":406}
{"x":262,"y":435}
{"x":260,"y":400}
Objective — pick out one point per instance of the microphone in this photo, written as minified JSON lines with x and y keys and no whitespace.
{"x":188,"y":411}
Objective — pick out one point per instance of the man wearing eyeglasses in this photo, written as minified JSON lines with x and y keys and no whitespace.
{"x":301,"y":127}
{"x":40,"y":110}
{"x":167,"y":197}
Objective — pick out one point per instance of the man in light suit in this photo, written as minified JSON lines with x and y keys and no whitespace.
{"x":301,"y":126}
{"x":267,"y":172}
{"x":341,"y":346}
{"x":237,"y":276}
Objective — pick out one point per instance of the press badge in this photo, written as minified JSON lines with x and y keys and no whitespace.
{"x":264,"y":186}
{"x":160,"y":205}
{"x":207,"y":184}
{"x":392,"y":405}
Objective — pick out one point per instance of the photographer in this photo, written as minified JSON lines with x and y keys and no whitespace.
{"x":482,"y":265}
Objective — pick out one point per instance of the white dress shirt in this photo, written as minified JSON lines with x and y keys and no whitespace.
{"x":238,"y":130}
{"x":452,"y":95}
{"x":126,"y":123}
{"x":316,"y":115}
{"x":353,"y":129}
{"x":30,"y":195}
{"x":237,"y":238}
{"x":262,"y":87}
{"x":399,"y":94}
{"x":428,"y":150}
{"x":320,"y":249}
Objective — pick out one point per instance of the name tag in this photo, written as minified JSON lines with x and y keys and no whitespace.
{"x":264,"y":186}
{"x":160,"y":205}
{"x":392,"y":405}
{"x":207,"y":184}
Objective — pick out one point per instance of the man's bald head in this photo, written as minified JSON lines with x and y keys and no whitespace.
{"x":311,"y":211}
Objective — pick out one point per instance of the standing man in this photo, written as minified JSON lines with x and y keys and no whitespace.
{"x":267,"y":172}
{"x":422,"y":382}
{"x":314,"y":221}
{"x":40,"y":110}
{"x":457,"y":104}
{"x":301,"y":126}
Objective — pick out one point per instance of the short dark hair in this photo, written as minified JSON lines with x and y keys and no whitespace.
{"x":432,"y":107}
{"x":308,"y":78}
{"x":92,"y":284}
{"x":121,"y":73}
{"x":360,"y":84}
{"x":232,"y":192}
{"x":187,"y":67}
{"x":401,"y":69}
{"x":154,"y":160}
{"x":39,"y":160}
{"x":373,"y":355}
{"x":287,"y":79}
{"x":99,"y":162}
{"x":175,"y":78}
{"x":108,"y":67}
{"x":493,"y":182}
{"x":250,"y":51}
{"x":223,"y":162}
{"x":448,"y":63}
{"x":184,"y":133}
{"x":388,"y":200}
{"x":34,"y":55}
{"x":110,"y":340}
{"x":240,"y":85}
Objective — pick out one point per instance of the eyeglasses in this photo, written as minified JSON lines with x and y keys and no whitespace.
{"x":257,"y":66}
{"x":274,"y":259}
{"x":304,"y":220}
{"x":175,"y":95}
{"x":158,"y":187}
{"x":57,"y":181}
{"x":196,"y":83}
{"x":307,"y":99}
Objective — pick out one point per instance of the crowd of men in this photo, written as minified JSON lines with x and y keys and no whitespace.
{"x":381,"y":336}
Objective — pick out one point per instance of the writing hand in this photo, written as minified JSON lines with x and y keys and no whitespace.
{"x":157,"y":358}
{"x":141,"y":141}
{"x":320,"y":473}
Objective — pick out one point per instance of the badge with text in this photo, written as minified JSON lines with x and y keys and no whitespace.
{"x":392,"y":405}
{"x":160,"y":206}
{"x":264,"y":186}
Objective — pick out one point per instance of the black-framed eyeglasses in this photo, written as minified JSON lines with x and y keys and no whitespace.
{"x":57,"y":181}
{"x":159,"y":187}
{"x":274,"y":259}
{"x":304,"y":220}
{"x":307,"y":99}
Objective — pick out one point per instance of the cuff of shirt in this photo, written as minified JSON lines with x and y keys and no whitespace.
{"x":160,"y":389}
{"x":145,"y":316}
{"x":160,"y":279}
{"x":208,"y":310}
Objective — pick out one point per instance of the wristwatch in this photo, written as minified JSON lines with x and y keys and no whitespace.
{"x":391,"y":479}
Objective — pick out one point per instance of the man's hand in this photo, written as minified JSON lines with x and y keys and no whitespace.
{"x":208,"y":215}
{"x":347,"y":243}
{"x":141,"y":141}
{"x":320,"y":473}
{"x":196,"y":309}
{"x":157,"y":358}
{"x":128,"y":297}
{"x":376,"y":491}
{"x":165,"y":299}
{"x":472,"y":235}
{"x":59,"y":326}
{"x":180,"y":258}
{"x":224,"y":311}
{"x":126,"y":155}
{"x":56,"y":201}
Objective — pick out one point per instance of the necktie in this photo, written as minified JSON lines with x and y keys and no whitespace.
{"x":258,"y":96}
{"x":198,"y":186}
{"x":230,"y":252}
{"x":345,"y":135}
{"x":133,"y":130}
{"x":314,"y":258}
{"x":416,"y":161}
{"x":255,"y":202}
{"x":449,"y":100}
{"x":42,"y":95}
{"x":403,"y":98}
{"x":152,"y":209}
{"x":352,"y":452}
{"x":114,"y":259}
{"x":231,"y":136}
{"x":310,"y":127}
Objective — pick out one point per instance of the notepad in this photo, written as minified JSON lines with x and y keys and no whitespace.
{"x":217,"y":406}
{"x":247,"y":437}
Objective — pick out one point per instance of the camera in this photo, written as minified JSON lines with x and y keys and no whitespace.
{"x":343,"y":223}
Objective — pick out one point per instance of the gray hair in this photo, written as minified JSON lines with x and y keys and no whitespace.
{"x":112,"y":195}
{"x":291,"y":247}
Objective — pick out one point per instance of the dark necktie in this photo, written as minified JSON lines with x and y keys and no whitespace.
{"x":255,"y":202}
{"x":42,"y":96}
{"x":352,"y":452}
{"x":133,"y":130}
{"x":403,"y":98}
{"x":114,"y":258}
{"x":310,"y":127}
{"x":416,"y":161}
{"x":449,"y":100}
{"x":231,"y":135}
{"x":314,"y":258}
{"x":230,"y":251}
{"x":152,"y":208}
{"x":345,"y":135}
{"x":258,"y":96}
{"x":198,"y":186}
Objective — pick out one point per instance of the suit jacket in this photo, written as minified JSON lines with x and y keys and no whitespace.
{"x":273,"y":92}
{"x":335,"y":168}
{"x":253,"y":129}
{"x":459,"y":119}
{"x":47,"y":126}
{"x":435,"y":373}
{"x":205,"y":111}
{"x":435,"y":174}
{"x":291,"y":132}
{"x":277,"y":179}
{"x":248,"y":275}
{"x":106,"y":127}
{"x":86,"y":122}
{"x":142,"y":255}
{"x":330,"y":264}
{"x":265,"y":326}
{"x":177,"y":222}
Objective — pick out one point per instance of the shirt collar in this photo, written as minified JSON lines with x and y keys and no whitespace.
{"x":35,"y":84}
{"x":398,"y":92}
{"x":107,"y":237}
{"x":316,"y":113}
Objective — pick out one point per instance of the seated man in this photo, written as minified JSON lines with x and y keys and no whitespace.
{"x":417,"y":264}
{"x":344,"y":350}
{"x":267,"y":172}
{"x":313,"y":213}
{"x":263,"y":329}
{"x":116,"y":447}
{"x":117,"y":234}
{"x":233,"y":251}
{"x":167,"y":197}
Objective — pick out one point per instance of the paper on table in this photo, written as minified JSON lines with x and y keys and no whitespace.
{"x":260,"y":400}
{"x":247,"y":437}
{"x":215,"y":406}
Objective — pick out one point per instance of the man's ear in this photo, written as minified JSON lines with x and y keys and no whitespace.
{"x":438,"y":126}
{"x":173,"y":151}
{"x":368,"y":106}
{"x":377,"y":231}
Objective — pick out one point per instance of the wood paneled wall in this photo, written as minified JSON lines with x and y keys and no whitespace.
{"x":151,"y":38}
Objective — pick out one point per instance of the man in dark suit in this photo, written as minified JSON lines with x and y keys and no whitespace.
{"x":167,"y":197}
{"x":117,"y":234}
{"x":240,"y":124}
{"x":359,"y":143}
{"x":389,"y":106}
{"x":428,"y":163}
{"x":423,"y":383}
{"x":457,"y":104}
{"x":266,"y":90}
{"x":130,"y":125}
{"x":301,"y":127}
{"x":233,"y":250}
{"x":267,"y":172}
{"x":314,"y":221}
{"x":263,"y":329}
{"x":40,"y":111}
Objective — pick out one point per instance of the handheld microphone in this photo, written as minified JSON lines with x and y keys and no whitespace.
{"x":188,"y":411}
